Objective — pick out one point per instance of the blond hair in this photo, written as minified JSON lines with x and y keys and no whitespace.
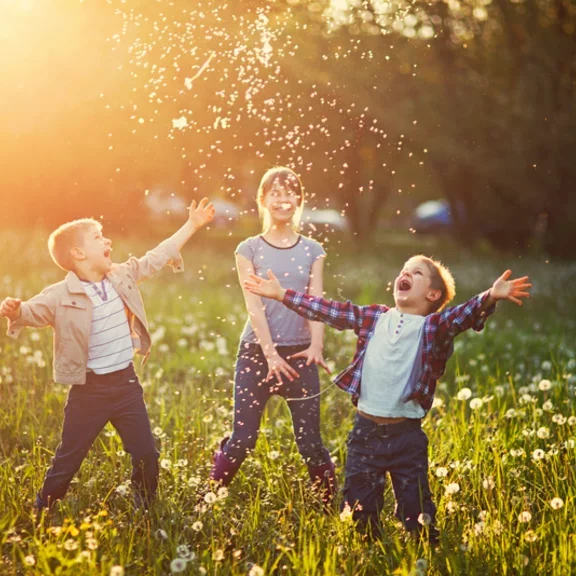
{"x":66,"y":237}
{"x":288,"y":179}
{"x":440,"y":279}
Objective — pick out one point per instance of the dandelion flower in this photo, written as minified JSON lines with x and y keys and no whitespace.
{"x":346,"y":513}
{"x":117,"y":571}
{"x":161,"y":534}
{"x":556,"y":503}
{"x":424,"y":519}
{"x":524,"y":517}
{"x":219,"y":555}
{"x":177,"y":565}
{"x":274,"y":454}
{"x":441,"y":472}
{"x":421,"y":564}
{"x":29,"y":560}
{"x":70,"y":544}
{"x":559,"y":419}
{"x":538,"y":454}
{"x":530,"y":536}
{"x":165,"y":464}
{"x":543,"y":432}
{"x":476,"y":403}
{"x":210,"y":498}
{"x":222,"y":493}
{"x":255,"y":570}
{"x":197,"y":526}
{"x":488,"y":483}
{"x":464,"y":394}
{"x":91,"y":543}
{"x":452,"y":488}
{"x":545,"y":385}
{"x":183,"y":551}
{"x":548,"y":406}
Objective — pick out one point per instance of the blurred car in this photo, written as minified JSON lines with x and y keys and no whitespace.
{"x":432,"y":217}
{"x":323,"y":219}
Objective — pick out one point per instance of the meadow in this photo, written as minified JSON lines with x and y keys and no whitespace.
{"x":502,"y":433}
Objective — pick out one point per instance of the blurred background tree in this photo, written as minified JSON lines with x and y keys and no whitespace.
{"x":379,"y":105}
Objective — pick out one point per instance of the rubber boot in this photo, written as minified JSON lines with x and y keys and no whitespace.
{"x":223,"y":469}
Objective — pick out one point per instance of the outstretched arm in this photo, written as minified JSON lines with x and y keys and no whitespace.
{"x":339,"y":315}
{"x":168,"y":251}
{"x":38,"y":312}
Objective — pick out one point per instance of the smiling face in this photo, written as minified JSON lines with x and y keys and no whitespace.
{"x":281,"y":202}
{"x":413,"y":292}
{"x":280,"y":198}
{"x":93,"y":251}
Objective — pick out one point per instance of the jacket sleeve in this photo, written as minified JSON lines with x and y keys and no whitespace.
{"x":166,"y":253}
{"x":457,"y":319}
{"x":38,"y":312}
{"x":339,"y":315}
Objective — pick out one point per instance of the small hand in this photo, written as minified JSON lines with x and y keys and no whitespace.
{"x":270,"y":288}
{"x":10,"y":308}
{"x":313,"y":354}
{"x":277,"y":367}
{"x":513,"y":290}
{"x":202,"y":214}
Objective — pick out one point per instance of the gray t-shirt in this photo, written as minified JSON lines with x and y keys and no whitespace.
{"x":292,"y":266}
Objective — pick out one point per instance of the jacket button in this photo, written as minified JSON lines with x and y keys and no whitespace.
{"x":73,"y":303}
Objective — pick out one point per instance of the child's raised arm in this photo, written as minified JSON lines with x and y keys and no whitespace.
{"x":168,"y":251}
{"x":504,"y":289}
{"x":339,"y":315}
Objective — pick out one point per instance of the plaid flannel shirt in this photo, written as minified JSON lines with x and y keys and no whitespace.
{"x":440,"y":329}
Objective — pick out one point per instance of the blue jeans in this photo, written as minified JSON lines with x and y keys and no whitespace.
{"x":400,"y":449}
{"x":117,"y":398}
{"x":251,"y":392}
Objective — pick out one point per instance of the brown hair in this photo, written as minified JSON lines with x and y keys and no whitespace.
{"x":66,"y":237}
{"x":440,"y":279}
{"x":288,"y":179}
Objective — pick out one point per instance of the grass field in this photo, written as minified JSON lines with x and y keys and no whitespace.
{"x":502,"y":435}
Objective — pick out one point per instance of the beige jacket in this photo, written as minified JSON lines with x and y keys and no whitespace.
{"x":67,"y":308}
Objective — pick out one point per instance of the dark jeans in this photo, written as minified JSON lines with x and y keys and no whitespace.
{"x":400,"y":449}
{"x":251,"y":392}
{"x":117,"y":398}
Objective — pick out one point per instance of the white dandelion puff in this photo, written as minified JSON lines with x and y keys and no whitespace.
{"x":556,"y":503}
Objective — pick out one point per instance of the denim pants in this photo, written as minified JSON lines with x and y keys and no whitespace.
{"x":400,"y":449}
{"x":251,"y":392}
{"x":117,"y":398}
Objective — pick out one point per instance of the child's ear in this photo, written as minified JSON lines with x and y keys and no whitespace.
{"x":433,"y":295}
{"x":77,"y":253}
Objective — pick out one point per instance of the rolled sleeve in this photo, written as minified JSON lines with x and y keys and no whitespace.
{"x":166,"y":253}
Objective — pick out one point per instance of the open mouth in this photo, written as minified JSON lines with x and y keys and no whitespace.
{"x":284,"y":206}
{"x":107,"y":252}
{"x":404,"y":285}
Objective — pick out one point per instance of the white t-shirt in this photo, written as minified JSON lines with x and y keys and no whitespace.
{"x":110,"y":346}
{"x":390,"y":366}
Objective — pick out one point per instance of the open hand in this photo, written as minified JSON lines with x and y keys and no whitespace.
{"x":10,"y":308}
{"x":202,"y":214}
{"x":270,"y":288}
{"x":277,"y":367}
{"x":513,"y":290}
{"x":313,"y":354}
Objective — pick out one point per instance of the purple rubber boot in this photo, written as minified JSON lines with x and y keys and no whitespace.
{"x":223,"y":469}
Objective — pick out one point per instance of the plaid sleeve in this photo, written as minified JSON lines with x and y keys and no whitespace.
{"x":339,"y":315}
{"x":457,"y":319}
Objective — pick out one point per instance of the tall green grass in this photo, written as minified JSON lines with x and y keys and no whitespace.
{"x":502,"y":436}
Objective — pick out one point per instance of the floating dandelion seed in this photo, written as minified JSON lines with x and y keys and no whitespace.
{"x":180,"y":123}
{"x":556,"y":503}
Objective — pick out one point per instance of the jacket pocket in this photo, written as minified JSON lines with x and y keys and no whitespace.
{"x":78,"y":303}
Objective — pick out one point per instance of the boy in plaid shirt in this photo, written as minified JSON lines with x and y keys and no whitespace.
{"x":400,"y":355}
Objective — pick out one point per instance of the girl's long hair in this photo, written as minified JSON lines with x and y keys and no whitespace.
{"x":288,"y":179}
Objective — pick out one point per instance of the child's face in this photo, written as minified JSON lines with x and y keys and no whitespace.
{"x":412,"y":286}
{"x":96,"y":250}
{"x":281,"y":202}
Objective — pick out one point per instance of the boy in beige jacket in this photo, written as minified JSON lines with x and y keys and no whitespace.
{"x":99,"y":323}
